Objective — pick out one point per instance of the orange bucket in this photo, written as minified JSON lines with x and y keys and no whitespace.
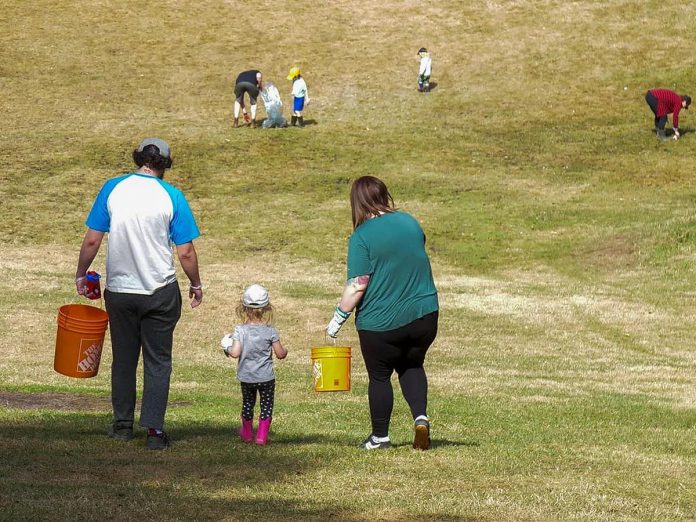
{"x":331,"y":368}
{"x":79,"y":341}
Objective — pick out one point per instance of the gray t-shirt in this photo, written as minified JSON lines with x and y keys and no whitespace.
{"x":256,"y":361}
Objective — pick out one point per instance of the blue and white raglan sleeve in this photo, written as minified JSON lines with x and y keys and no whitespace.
{"x":183,"y":228}
{"x":99,"y":218}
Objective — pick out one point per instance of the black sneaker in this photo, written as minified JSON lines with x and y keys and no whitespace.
{"x":371,"y":443}
{"x":421,"y":439}
{"x":158,"y":441}
{"x":120,"y":431}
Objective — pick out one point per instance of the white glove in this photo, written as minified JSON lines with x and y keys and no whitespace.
{"x":676,"y":134}
{"x":81,"y":285}
{"x":226,"y":343}
{"x":339,"y":317}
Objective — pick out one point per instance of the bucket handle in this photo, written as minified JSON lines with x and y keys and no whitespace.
{"x":78,"y":300}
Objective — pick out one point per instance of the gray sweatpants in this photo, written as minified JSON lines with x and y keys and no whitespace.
{"x":145,"y":321}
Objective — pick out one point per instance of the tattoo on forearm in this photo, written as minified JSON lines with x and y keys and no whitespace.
{"x":357,"y":282}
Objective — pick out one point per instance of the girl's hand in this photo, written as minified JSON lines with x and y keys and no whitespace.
{"x":227,"y":343}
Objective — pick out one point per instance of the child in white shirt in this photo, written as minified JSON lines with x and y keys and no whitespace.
{"x":299,"y":95}
{"x":424,"y":70}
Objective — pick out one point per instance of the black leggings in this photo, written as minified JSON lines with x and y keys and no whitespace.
{"x":266,"y":393}
{"x":402,"y":350}
{"x":652,"y":102}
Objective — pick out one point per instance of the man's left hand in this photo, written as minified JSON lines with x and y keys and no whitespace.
{"x":196,"y":295}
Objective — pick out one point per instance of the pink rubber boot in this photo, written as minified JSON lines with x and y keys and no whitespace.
{"x":262,"y":432}
{"x":246,"y":431}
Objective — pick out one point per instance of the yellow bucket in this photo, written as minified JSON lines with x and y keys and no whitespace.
{"x":331,"y":368}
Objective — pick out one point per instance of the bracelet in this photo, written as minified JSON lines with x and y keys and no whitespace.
{"x":80,"y":279}
{"x":199,"y":287}
{"x":341,"y":313}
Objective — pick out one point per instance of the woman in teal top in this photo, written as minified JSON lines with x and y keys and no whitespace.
{"x":390,"y":286}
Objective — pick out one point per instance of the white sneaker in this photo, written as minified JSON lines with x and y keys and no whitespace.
{"x":373,"y":442}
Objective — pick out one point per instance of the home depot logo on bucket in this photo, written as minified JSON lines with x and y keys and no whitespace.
{"x":316,"y":371}
{"x":89,"y":359}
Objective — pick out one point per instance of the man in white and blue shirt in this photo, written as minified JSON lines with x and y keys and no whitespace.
{"x":144,"y":217}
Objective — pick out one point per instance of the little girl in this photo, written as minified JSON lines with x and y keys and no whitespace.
{"x":254,"y":343}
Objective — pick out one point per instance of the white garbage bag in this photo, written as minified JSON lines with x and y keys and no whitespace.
{"x":274,"y":107}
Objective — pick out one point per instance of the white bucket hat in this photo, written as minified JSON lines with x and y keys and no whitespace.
{"x":255,"y":296}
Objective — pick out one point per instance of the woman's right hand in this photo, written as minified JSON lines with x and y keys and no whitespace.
{"x":339,"y":317}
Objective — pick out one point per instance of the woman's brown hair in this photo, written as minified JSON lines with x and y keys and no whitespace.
{"x":369,"y":197}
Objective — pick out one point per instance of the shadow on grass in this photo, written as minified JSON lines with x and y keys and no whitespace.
{"x":63,"y":463}
{"x":185,"y":434}
{"x":670,"y":132}
{"x":431,"y":87}
{"x":449,"y":443}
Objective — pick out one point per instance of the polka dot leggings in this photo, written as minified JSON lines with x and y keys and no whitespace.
{"x":266,"y":393}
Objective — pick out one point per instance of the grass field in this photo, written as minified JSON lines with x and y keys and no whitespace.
{"x":562,"y":236}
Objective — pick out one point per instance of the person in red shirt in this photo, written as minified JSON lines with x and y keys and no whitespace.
{"x":663,"y":102}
